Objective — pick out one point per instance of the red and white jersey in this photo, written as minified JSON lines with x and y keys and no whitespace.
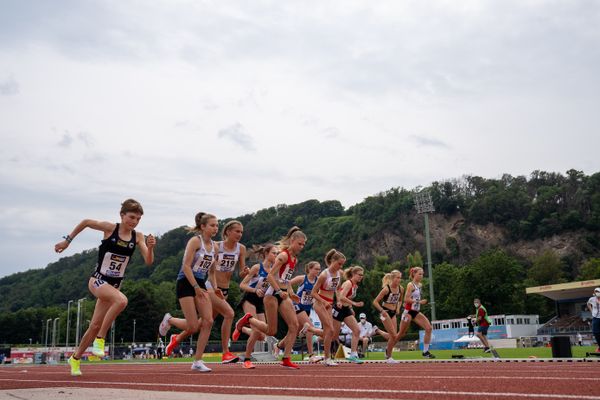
{"x":285,"y":272}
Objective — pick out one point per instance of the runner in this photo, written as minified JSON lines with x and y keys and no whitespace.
{"x":412,"y":307}
{"x":255,"y":285}
{"x":231,"y":252}
{"x":118,"y":245}
{"x":387,"y":303}
{"x":197,"y":268}
{"x":303,"y":307}
{"x":279,"y":295}
{"x":324,"y":292}
{"x":343,"y":312}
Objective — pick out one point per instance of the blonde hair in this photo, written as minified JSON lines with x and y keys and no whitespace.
{"x":201,"y":218}
{"x":413,"y":271}
{"x":333,"y":255}
{"x":350,"y":272}
{"x":309,"y":265}
{"x":387,"y":278}
{"x":228,"y":226}
{"x":131,"y":205}
{"x":262,"y":250}
{"x":293,"y":234}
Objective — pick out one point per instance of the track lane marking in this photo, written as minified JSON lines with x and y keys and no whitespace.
{"x":344,"y":390}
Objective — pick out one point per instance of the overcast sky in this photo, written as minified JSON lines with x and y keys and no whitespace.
{"x":230,"y":107}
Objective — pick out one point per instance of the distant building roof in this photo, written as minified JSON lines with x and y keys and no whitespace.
{"x":566,"y":291}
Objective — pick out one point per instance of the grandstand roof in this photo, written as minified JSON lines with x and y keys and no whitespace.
{"x":566,"y":291}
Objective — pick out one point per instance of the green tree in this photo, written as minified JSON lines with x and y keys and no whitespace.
{"x":590,"y":270}
{"x":547,"y":269}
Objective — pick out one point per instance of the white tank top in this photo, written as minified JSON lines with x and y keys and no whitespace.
{"x":227,"y":259}
{"x":331,"y":282}
{"x":416,"y":297}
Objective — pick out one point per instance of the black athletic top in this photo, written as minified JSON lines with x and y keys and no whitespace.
{"x":113,"y":256}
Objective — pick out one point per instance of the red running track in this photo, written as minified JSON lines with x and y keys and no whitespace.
{"x":490,"y":380}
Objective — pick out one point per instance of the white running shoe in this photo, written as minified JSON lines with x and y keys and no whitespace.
{"x":199,"y":366}
{"x":315,"y":359}
{"x":304,"y":330}
{"x":390,"y":360}
{"x":276,"y":350}
{"x":328,"y":362}
{"x":164,"y":326}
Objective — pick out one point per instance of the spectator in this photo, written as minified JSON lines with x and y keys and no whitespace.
{"x":345,"y":335}
{"x":483,"y":322}
{"x":593,"y":305}
{"x":366,"y":329}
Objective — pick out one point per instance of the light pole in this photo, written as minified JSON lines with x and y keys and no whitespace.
{"x":47,"y":329}
{"x":112,"y":341}
{"x":68,"y":321}
{"x":54,"y":331}
{"x":78,"y":319}
{"x":424,"y":205}
{"x":133,"y":341}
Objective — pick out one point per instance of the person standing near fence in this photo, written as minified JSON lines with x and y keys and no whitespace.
{"x":593,"y":305}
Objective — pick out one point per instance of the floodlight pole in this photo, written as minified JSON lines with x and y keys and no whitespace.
{"x":424,"y":205}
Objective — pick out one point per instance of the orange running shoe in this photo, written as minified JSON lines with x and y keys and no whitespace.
{"x":248,"y":364}
{"x":172,"y":344}
{"x":242,"y":322}
{"x":286,"y":362}
{"x":228,"y":358}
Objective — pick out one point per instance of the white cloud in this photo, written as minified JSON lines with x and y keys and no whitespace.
{"x":192,"y":106}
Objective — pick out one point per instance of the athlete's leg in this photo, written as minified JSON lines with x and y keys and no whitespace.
{"x":303,"y":319}
{"x":351,"y":323}
{"x":222,"y":307}
{"x":326,"y":319}
{"x":204,"y":308}
{"x":109,"y":304}
{"x":390,"y":325}
{"x":424,"y":323}
{"x":270,"y":326}
{"x":286,"y":309}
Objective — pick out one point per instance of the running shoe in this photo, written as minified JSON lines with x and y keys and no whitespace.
{"x":427,"y":354}
{"x":328,"y":362}
{"x":373,"y":331}
{"x":275,"y":350}
{"x":487,"y":350}
{"x":354,"y":359}
{"x":228,"y":358}
{"x":315,"y":359}
{"x":235,"y":335}
{"x":248,"y":364}
{"x":390,"y":360}
{"x":199,"y":366}
{"x":304,"y":329}
{"x":286,"y":362}
{"x":75,"y":371}
{"x":242,"y":322}
{"x":164,"y":326}
{"x":172,"y":344}
{"x":98,"y":347}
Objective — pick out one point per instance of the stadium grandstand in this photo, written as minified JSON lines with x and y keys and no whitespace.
{"x":572,"y":316}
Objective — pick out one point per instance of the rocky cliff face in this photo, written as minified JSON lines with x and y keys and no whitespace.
{"x":457,"y":242}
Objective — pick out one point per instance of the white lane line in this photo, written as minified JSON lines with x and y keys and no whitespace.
{"x":415,"y":375}
{"x":320,"y":390}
